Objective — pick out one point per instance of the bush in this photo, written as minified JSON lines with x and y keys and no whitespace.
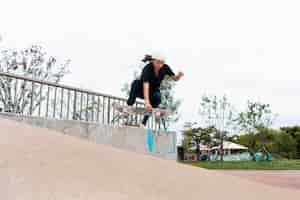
{"x":284,"y":145}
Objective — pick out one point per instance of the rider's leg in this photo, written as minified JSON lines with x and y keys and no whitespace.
{"x":155,"y":100}
{"x":135,"y":91}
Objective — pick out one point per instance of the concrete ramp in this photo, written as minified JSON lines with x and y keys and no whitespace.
{"x":145,"y":141}
{"x":36,"y":164}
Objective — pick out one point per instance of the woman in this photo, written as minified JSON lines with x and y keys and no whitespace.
{"x":147,"y":87}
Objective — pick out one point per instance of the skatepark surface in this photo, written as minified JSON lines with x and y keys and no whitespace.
{"x":276,"y":178}
{"x":38,"y":164}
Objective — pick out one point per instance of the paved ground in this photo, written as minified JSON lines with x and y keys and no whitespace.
{"x":280,"y":179}
{"x":37,"y":164}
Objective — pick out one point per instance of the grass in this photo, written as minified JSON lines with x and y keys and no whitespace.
{"x":248,"y":165}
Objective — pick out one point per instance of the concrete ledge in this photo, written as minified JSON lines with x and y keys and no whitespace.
{"x":161,"y":144}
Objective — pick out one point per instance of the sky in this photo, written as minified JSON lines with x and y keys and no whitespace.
{"x":248,"y":50}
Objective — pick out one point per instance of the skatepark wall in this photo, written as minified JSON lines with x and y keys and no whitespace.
{"x":146,"y":141}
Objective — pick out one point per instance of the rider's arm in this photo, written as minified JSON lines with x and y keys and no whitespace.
{"x":177,"y":77}
{"x":146,"y":78}
{"x":146,"y":92}
{"x":172,"y":74}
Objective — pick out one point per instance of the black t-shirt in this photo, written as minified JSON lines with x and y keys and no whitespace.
{"x":148,"y":75}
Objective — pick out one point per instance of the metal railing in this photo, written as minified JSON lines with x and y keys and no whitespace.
{"x":27,"y":96}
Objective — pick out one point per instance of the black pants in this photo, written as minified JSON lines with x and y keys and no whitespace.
{"x":136,"y":91}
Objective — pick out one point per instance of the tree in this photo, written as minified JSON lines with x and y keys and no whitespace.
{"x":218,"y":113}
{"x":167,"y":93}
{"x":199,"y":136}
{"x":187,"y":139}
{"x":254,"y":121}
{"x":278,"y":142}
{"x":233,"y":138}
{"x":294,"y":131}
{"x":285,"y":146}
{"x":32,"y":62}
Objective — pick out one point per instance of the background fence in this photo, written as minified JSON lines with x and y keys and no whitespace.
{"x":27,"y":96}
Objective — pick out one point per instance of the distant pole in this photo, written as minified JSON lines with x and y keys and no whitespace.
{"x":222,"y":146}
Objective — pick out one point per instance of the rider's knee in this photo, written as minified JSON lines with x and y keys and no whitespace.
{"x":156,"y":99}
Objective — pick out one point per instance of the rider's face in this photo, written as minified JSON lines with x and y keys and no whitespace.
{"x":158,"y":63}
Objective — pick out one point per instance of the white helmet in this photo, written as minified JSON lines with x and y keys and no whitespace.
{"x":158,"y":56}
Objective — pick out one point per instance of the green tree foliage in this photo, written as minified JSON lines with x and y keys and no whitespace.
{"x":32,"y":62}
{"x":257,"y":115}
{"x":277,"y":142}
{"x":197,"y":136}
{"x":219,"y":113}
{"x":254,"y":120}
{"x":294,"y":131}
{"x":285,"y":146}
